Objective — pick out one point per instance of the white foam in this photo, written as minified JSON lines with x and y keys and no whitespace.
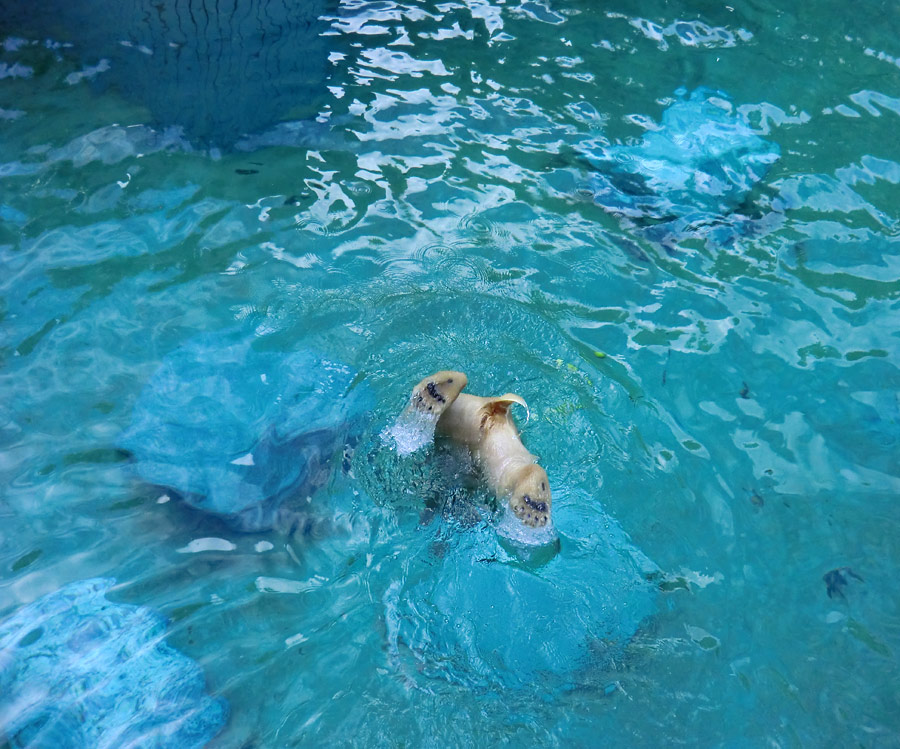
{"x":295,"y":639}
{"x":206,"y":544}
{"x":283,"y":585}
{"x":412,"y":431}
{"x":517,"y":533}
{"x":88,"y":72}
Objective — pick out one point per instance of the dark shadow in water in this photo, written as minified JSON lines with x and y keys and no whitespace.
{"x":218,"y":68}
{"x":237,"y":432}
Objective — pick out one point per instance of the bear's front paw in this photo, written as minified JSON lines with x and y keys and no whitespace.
{"x":532,"y":512}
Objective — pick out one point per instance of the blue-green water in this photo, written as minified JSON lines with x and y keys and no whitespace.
{"x":404,"y":187}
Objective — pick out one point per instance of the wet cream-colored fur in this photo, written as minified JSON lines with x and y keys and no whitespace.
{"x":485,"y":426}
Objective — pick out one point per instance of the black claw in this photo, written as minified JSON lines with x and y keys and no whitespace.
{"x":433,"y":392}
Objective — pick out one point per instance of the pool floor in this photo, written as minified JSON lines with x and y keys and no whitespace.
{"x":672,"y":230}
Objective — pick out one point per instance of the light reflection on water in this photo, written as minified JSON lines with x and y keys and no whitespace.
{"x":719,"y":410}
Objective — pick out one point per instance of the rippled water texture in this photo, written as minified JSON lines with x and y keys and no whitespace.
{"x":673,"y":231}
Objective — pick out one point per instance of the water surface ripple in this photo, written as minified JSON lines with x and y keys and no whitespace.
{"x":413,"y":186}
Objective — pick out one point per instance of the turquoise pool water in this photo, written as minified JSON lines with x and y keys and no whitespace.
{"x":411,"y":186}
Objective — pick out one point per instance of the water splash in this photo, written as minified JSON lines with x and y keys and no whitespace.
{"x":522,"y":541}
{"x":412,"y":431}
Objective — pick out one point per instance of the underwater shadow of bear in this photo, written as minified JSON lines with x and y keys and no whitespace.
{"x":243,"y":434}
{"x":480,"y":616}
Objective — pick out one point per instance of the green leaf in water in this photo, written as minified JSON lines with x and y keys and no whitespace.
{"x":702,"y":638}
{"x":866,"y":638}
{"x":182,"y":612}
{"x":99,"y":455}
{"x":857,"y":355}
{"x":126,"y":504}
{"x":23,"y":561}
{"x":673,"y":584}
{"x":31,"y":638}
